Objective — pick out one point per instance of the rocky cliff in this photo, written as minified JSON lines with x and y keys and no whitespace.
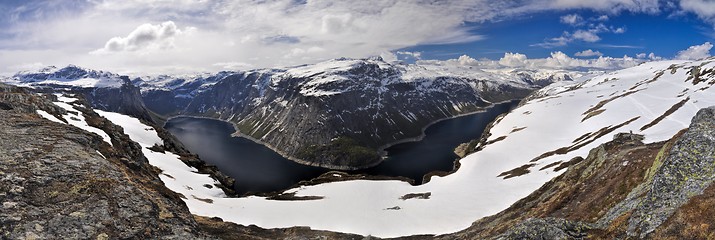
{"x":59,"y":181}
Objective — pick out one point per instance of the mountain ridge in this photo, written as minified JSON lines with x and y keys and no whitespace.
{"x":302,"y":111}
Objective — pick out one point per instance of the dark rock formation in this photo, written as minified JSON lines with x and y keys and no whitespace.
{"x":546,"y":229}
{"x":686,"y":172}
{"x":126,"y":99}
{"x":58,"y":181}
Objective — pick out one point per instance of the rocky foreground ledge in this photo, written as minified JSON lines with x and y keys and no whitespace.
{"x":58,"y":181}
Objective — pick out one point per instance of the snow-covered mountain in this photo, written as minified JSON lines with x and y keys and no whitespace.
{"x":339,"y":113}
{"x":103,"y":90}
{"x":71,"y":75}
{"x":525,"y":149}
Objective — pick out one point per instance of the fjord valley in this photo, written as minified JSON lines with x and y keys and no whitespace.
{"x":357,"y":120}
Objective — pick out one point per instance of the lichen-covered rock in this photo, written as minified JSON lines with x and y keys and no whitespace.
{"x":61,"y":182}
{"x":547,"y":228}
{"x":686,"y":172}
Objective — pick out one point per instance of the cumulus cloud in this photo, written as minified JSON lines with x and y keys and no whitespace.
{"x":588,"y":53}
{"x":146,"y":36}
{"x":513,"y":60}
{"x":466,"y":60}
{"x":695,"y":52}
{"x":557,"y":60}
{"x":650,"y":56}
{"x":572,"y":19}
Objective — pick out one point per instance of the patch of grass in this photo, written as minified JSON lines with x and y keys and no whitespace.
{"x":344,"y":151}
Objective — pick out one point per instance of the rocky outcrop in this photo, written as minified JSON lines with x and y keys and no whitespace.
{"x":687,"y":171}
{"x":126,"y":99}
{"x":58,"y":181}
{"x":230,"y":231}
{"x":547,"y":228}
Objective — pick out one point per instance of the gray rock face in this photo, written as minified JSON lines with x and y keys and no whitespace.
{"x":126,"y":99}
{"x":58,"y":181}
{"x":547,"y":228}
{"x":685,"y":173}
{"x":168,"y":95}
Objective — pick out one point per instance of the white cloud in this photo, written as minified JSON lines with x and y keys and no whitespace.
{"x":513,"y":60}
{"x":557,"y":60}
{"x":585,"y":35}
{"x":705,"y":9}
{"x":406,"y":54}
{"x":650,"y":56}
{"x":234,"y":65}
{"x":695,"y":52}
{"x":572,"y":19}
{"x":209,"y":34}
{"x":146,"y":36}
{"x":388,"y":56}
{"x":467,"y":61}
{"x":612,"y":6}
{"x":588,"y":53}
{"x":590,"y":35}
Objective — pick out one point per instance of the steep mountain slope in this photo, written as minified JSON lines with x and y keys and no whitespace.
{"x":622,"y":189}
{"x":339,"y":113}
{"x":104,"y":90}
{"x":167,"y":95}
{"x":77,"y":175}
{"x":525,"y":149}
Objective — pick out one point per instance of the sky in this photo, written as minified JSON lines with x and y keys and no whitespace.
{"x":183,"y":36}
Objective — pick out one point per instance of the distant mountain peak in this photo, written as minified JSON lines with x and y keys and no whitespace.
{"x":71,"y":76}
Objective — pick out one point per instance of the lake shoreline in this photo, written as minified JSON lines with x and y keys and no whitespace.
{"x":394,"y":170}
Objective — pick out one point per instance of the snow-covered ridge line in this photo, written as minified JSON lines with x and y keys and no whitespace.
{"x":68,"y":76}
{"x":73,"y":117}
{"x":198,"y":189}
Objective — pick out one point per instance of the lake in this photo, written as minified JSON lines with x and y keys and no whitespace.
{"x":257,"y":168}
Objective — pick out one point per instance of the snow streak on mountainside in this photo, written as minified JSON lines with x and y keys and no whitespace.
{"x":525,"y":149}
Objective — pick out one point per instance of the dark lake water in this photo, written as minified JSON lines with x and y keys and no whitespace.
{"x":257,"y":168}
